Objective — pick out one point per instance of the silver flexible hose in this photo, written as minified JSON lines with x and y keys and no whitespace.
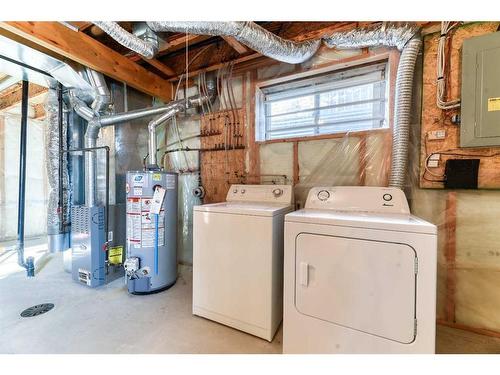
{"x":146,"y":48}
{"x":254,"y":36}
{"x":402,"y":112}
{"x":248,"y":33}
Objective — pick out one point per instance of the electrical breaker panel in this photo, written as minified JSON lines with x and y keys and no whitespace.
{"x":480,"y":96}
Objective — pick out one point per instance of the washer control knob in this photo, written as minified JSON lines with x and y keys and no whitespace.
{"x":235,"y":191}
{"x":243,"y":191}
{"x":387,"y":197}
{"x":277,"y":192}
{"x":323,"y":195}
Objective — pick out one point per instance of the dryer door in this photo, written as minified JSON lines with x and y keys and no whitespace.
{"x":364,"y":285}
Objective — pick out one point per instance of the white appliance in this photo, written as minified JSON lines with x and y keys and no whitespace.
{"x":360,"y":274}
{"x":238,"y":258}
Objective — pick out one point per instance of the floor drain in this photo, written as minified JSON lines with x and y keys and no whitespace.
{"x":37,"y":310}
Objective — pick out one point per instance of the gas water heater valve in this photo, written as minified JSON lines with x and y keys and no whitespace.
{"x":131,"y":265}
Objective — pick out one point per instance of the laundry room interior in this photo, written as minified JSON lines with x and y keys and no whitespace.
{"x":249,"y":187}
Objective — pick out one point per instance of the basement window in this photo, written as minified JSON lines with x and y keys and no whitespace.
{"x":340,"y":101}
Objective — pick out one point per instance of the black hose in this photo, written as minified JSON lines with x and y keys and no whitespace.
{"x":28,"y":264}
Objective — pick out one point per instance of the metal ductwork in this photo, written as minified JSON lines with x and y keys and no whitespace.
{"x":402,"y":112}
{"x":385,"y":34}
{"x":96,"y":121}
{"x":102,"y":95}
{"x":404,"y":38}
{"x":408,"y":40}
{"x":57,"y":174}
{"x":147,"y":47}
{"x":248,"y":33}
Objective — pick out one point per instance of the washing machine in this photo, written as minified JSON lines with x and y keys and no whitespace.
{"x":238,"y":258}
{"x":359,"y":274}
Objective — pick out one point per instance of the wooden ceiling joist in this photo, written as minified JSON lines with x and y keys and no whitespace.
{"x":82,"y":48}
{"x":238,"y":47}
{"x":168,"y":71}
{"x":13,"y":95}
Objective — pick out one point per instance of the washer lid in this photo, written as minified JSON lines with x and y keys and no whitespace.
{"x":393,"y":222}
{"x":245,"y":208}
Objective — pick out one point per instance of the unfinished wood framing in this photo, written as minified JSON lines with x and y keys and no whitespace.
{"x":79,"y":47}
{"x":223,"y":153}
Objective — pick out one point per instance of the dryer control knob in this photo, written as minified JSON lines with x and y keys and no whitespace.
{"x":277,"y":192}
{"x":235,"y":191}
{"x":243,"y":191}
{"x":323,"y":195}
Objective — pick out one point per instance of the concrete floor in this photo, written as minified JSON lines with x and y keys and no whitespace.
{"x":109,"y":320}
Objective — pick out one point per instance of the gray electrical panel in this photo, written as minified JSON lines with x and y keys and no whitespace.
{"x":480,"y":97}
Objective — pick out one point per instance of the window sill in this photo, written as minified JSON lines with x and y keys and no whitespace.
{"x":360,"y":133}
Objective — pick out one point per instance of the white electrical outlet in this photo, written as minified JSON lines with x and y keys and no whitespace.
{"x":436,"y":134}
{"x":435,"y":157}
{"x":433,"y":161}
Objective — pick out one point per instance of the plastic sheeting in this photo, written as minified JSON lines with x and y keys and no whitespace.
{"x":340,"y":161}
{"x":183,"y":132}
{"x":36,"y":178}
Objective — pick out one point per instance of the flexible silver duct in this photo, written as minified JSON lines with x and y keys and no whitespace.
{"x":408,"y":40}
{"x":402,"y":112}
{"x":248,"y":33}
{"x":401,"y":37}
{"x":147,"y":48}
{"x":385,"y":34}
{"x":55,"y":237}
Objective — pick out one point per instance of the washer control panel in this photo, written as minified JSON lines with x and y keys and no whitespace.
{"x":358,"y":199}
{"x":261,"y":193}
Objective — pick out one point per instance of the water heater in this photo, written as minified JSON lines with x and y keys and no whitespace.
{"x":151,"y":264}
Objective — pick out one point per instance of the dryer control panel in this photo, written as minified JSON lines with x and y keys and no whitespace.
{"x":358,"y":199}
{"x":260,"y":193}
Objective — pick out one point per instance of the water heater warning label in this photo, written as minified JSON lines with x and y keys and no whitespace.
{"x":141,"y":224}
{"x":493,"y":104}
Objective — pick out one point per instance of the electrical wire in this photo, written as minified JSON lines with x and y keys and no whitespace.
{"x":441,"y":102}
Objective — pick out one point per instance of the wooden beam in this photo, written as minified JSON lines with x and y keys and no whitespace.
{"x":39,"y":111}
{"x":87,"y":51}
{"x":180,"y":42}
{"x":480,"y":331}
{"x":13,"y":95}
{"x":238,"y":47}
{"x":296,"y":166}
{"x":81,"y":25}
{"x":168,"y":71}
{"x":303,"y":36}
{"x":450,"y":254}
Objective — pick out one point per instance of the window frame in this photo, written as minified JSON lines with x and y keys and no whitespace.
{"x":391,"y":57}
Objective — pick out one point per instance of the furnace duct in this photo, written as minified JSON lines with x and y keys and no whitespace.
{"x":385,"y":34}
{"x":405,"y":38}
{"x":96,"y":121}
{"x":144,"y":47}
{"x":250,"y":34}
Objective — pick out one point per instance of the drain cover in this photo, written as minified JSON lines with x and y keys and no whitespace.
{"x":37,"y":310}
